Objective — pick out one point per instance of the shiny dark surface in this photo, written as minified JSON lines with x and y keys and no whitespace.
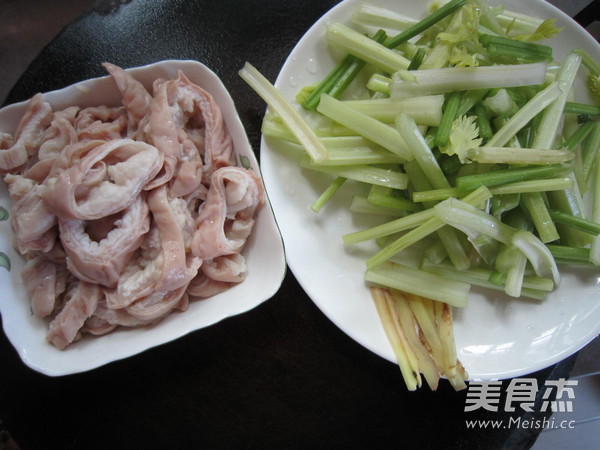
{"x":279,"y":376}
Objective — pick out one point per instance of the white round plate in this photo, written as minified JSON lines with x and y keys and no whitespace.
{"x":264,"y":250}
{"x":496,"y":336}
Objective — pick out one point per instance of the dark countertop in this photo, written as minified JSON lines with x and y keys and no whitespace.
{"x":279,"y":376}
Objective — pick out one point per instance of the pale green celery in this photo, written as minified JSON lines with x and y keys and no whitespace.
{"x":513,"y":284}
{"x":519,"y":187}
{"x":595,"y":247}
{"x":590,"y":149}
{"x":550,"y":123}
{"x":525,"y":114}
{"x":419,"y":282}
{"x":326,"y":195}
{"x":488,"y":19}
{"x":472,"y":221}
{"x":407,"y":128}
{"x":522,"y":187}
{"x":502,"y":203}
{"x":384,"y":196}
{"x":341,"y":150}
{"x":571,"y":202}
{"x":538,"y":254}
{"x":480,"y":277}
{"x":434,"y":195}
{"x":436,"y":253}
{"x":389,"y":228}
{"x":375,"y":16}
{"x":425,"y":229}
{"x":519,"y":155}
{"x":538,"y":210}
{"x":469,"y":100}
{"x":439,"y":81}
{"x":366,"y":126}
{"x":361,"y":205}
{"x":424,"y":110}
{"x":288,"y":114}
{"x":365,"y":48}
{"x":501,"y":104}
{"x":361,"y":172}
{"x":379,"y":83}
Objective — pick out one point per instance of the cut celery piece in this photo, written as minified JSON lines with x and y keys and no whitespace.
{"x":362,"y":173}
{"x":366,"y":126}
{"x":538,"y":254}
{"x":361,"y":46}
{"x":290,"y":117}
{"x":418,"y":282}
{"x":439,"y":81}
{"x":424,"y":110}
{"x":520,"y":155}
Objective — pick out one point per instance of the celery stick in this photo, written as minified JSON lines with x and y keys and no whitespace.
{"x":366,"y":126}
{"x":434,"y":195}
{"x":575,"y":222}
{"x":285,"y":110}
{"x":472,"y":221}
{"x":407,"y":128}
{"x":582,"y":109}
{"x":388,"y":228}
{"x":384,"y":196}
{"x":595,"y":246}
{"x":565,"y":253}
{"x":519,"y":187}
{"x":439,"y":81}
{"x":448,"y":115}
{"x":415,"y":281}
{"x":493,"y":178}
{"x":578,"y":135}
{"x":379,"y":83}
{"x":424,"y":110}
{"x":533,"y":107}
{"x":549,"y":125}
{"x":527,"y":156}
{"x":361,"y":205}
{"x":431,"y":225}
{"x":538,"y":210}
{"x":537,"y":253}
{"x":483,"y":121}
{"x":502,"y":47}
{"x":417,"y":60}
{"x":327,"y":194}
{"x":339,"y":78}
{"x":362,"y":173}
{"x":480,"y":277}
{"x":359,"y":45}
{"x":590,"y":149}
{"x":424,"y":24}
{"x":372,"y":15}
{"x":469,"y":100}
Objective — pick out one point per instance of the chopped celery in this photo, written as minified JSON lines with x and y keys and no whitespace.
{"x":361,"y":46}
{"x":285,"y":110}
{"x":439,"y":81}
{"x":363,"y":173}
{"x":526,"y":156}
{"x":327,"y":194}
{"x":424,"y":110}
{"x":415,"y":281}
{"x":366,"y":126}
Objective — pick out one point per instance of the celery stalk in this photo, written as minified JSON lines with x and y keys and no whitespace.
{"x":366,"y":126}
{"x":290,"y":117}
{"x":439,"y":81}
{"x":415,"y":281}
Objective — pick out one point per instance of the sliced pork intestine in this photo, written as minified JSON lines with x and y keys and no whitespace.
{"x":226,"y":218}
{"x":126,"y":166}
{"x":78,"y":178}
{"x":102,"y":261}
{"x":28,"y":136}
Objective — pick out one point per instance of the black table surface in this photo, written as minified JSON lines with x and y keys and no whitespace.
{"x":280,"y":376}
